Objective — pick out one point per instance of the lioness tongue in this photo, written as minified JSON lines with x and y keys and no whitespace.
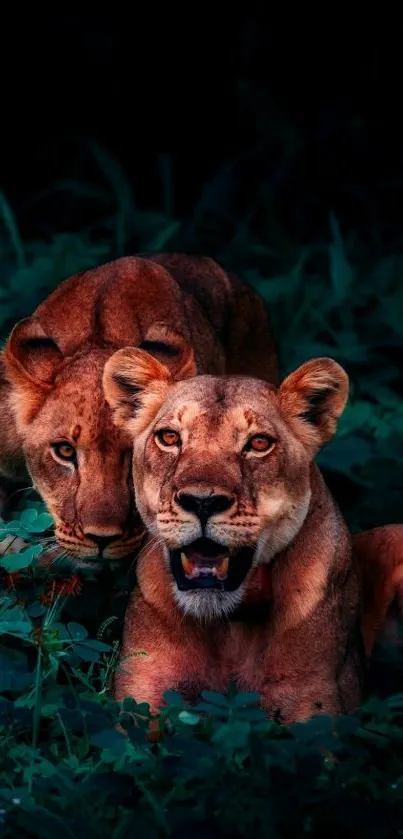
{"x":198,"y":560}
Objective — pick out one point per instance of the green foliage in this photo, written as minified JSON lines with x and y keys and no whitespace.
{"x":221,"y":768}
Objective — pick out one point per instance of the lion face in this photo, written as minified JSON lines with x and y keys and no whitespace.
{"x":222,"y":466}
{"x":79,"y":461}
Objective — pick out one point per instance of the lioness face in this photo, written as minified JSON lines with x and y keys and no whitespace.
{"x":80,"y":463}
{"x":221,"y":469}
{"x":78,"y":457}
{"x":221,"y":480}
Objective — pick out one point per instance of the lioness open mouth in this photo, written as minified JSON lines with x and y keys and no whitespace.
{"x":206,"y":564}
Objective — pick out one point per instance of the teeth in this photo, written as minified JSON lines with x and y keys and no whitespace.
{"x":222,"y":569}
{"x":187,"y":565}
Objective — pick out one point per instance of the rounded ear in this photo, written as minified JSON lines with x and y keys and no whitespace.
{"x":31,"y":358}
{"x":135,"y":382}
{"x":171,"y":349}
{"x":314,"y":397}
{"x":127,"y":375}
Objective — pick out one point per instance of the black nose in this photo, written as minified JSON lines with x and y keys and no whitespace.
{"x":102,"y":542}
{"x":204,"y":506}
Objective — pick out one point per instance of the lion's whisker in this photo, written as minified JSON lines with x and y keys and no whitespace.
{"x":17,"y":491}
{"x":155,"y":541}
{"x":136,"y":556}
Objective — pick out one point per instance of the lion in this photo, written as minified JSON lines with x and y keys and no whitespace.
{"x":55,"y":423}
{"x":248,"y":574}
{"x":226,"y":485}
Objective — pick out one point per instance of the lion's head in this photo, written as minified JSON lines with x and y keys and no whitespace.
{"x":222,"y":465}
{"x":79,"y":460}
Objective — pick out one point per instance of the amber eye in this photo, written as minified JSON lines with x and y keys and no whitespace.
{"x":168,"y":437}
{"x":260,"y":443}
{"x":65,"y":451}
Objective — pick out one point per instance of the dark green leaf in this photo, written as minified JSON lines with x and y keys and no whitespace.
{"x":94,"y":644}
{"x":16,"y":562}
{"x":233,"y":735}
{"x":215,"y":698}
{"x":174,"y":699}
{"x":245,"y":699}
{"x":86,"y":653}
{"x":110,"y":739}
{"x":42,"y":523}
{"x":77,"y":631}
{"x":28,"y":517}
{"x":189,"y":718}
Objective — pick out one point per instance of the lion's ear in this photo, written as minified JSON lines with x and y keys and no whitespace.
{"x":32,"y":359}
{"x":128,"y":374}
{"x":171,"y":349}
{"x":136,"y":382}
{"x":313,"y":398}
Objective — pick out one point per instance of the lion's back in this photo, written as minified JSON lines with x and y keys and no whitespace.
{"x":115,"y":305}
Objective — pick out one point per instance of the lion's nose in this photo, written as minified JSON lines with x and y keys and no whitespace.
{"x":204,"y":506}
{"x":102,"y":542}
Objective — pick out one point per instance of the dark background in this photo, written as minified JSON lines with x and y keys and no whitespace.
{"x":307,"y":106}
{"x":268,"y":139}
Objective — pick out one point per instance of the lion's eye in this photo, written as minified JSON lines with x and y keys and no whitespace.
{"x":65,"y":451}
{"x":260,"y":443}
{"x":168,"y":437}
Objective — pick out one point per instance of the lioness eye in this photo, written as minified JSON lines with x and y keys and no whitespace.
{"x":168,"y":437}
{"x":260,"y":443}
{"x":65,"y":451}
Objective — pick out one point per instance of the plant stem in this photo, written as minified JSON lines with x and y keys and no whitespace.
{"x":37,"y":711}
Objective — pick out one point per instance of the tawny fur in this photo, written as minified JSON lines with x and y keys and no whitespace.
{"x":51,"y":380}
{"x":291,"y":631}
{"x":379,"y":555}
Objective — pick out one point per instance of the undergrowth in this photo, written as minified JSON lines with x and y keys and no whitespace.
{"x":221,"y":768}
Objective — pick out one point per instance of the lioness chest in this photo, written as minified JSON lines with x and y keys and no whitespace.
{"x":236,"y":655}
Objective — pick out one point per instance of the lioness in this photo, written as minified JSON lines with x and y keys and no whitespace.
{"x":248,"y":574}
{"x":55,"y":422}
